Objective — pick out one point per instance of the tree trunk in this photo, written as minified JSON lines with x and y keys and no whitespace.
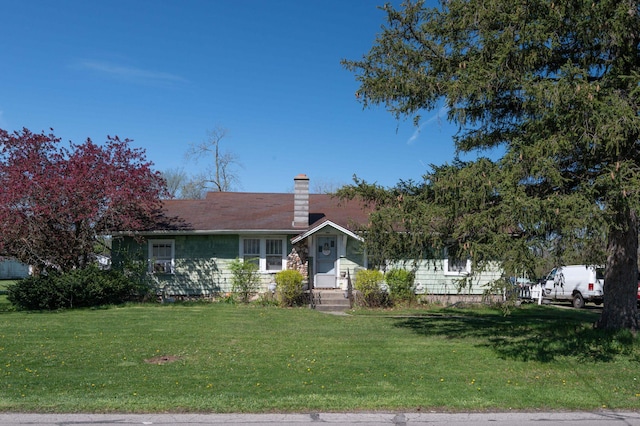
{"x":620,"y":310}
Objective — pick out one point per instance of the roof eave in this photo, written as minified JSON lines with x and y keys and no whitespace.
{"x":209,"y":232}
{"x":323,"y":225}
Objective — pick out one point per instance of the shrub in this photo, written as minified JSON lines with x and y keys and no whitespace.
{"x":245,"y":279}
{"x":37,"y":293}
{"x":75,"y":289}
{"x":228,"y":298}
{"x":400,"y":282}
{"x":266,"y":300}
{"x":289,"y":288}
{"x":367,"y":284}
{"x":502,"y":286}
{"x":134,"y":266}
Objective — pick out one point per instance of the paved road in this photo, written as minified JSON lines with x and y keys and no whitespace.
{"x":606,"y":418}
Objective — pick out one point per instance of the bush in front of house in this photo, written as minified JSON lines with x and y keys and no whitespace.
{"x":289,"y":288}
{"x":369,"y":293}
{"x":37,"y":293}
{"x":400,"y":282}
{"x":78,"y":288}
{"x":245,"y":279}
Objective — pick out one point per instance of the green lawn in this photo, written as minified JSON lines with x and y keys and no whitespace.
{"x":5,"y":283}
{"x":227,"y":358}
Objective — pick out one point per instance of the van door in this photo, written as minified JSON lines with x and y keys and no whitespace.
{"x":550,"y":289}
{"x":564,"y":284}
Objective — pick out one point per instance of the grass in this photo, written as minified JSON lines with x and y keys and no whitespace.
{"x":251,"y":359}
{"x":6,"y":283}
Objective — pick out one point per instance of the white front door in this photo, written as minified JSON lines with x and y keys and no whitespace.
{"x":326,"y":257}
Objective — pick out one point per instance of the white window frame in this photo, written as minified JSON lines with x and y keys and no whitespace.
{"x":274,"y":255}
{"x":262,"y":258}
{"x":250,"y":257}
{"x":457,"y":273}
{"x":164,"y":265}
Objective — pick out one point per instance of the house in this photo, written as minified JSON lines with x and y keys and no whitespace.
{"x":11,"y":269}
{"x":314,"y":233}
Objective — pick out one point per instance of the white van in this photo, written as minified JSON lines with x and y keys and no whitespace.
{"x":575,"y":283}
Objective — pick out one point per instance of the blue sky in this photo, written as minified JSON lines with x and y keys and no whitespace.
{"x":164,"y":72}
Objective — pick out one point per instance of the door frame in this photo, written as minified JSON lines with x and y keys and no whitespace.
{"x":326,"y":280}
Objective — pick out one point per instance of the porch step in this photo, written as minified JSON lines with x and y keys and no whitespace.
{"x":330,"y":301}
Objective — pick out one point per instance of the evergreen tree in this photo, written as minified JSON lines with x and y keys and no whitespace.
{"x":553,"y":85}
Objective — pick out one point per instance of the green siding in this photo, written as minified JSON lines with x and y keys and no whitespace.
{"x":351,"y":262}
{"x":201,"y":263}
{"x":355,"y":252}
{"x":201,"y":266}
{"x":431,"y":279}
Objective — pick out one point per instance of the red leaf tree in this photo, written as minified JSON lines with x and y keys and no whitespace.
{"x":56,"y":202}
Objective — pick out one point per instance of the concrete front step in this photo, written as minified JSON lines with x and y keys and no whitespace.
{"x":330,"y":301}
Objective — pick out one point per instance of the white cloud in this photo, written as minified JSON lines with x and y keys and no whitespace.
{"x":130,"y":73}
{"x":437,"y":117}
{"x":415,"y":134}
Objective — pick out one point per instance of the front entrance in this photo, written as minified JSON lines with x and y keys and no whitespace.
{"x":326,"y":257}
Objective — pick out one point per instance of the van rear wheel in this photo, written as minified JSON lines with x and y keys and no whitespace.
{"x":578,"y":301}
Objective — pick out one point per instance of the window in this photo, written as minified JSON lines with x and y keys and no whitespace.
{"x":267,"y":253}
{"x":161,"y":256}
{"x":274,"y":255}
{"x":456,"y":266}
{"x":251,"y":251}
{"x":552,"y":275}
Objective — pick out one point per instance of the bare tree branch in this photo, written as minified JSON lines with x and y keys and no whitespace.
{"x":220,"y":175}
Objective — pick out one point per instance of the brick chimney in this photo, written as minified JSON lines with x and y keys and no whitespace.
{"x":301,"y":201}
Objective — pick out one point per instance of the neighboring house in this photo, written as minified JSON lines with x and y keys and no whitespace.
{"x":314,"y":233}
{"x":11,"y":269}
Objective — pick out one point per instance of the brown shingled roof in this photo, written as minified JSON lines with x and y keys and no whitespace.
{"x":231,"y":211}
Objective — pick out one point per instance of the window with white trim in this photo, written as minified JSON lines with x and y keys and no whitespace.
{"x":251,"y":250}
{"x":161,"y":256}
{"x":456,"y":266}
{"x":274,"y":255}
{"x":267,"y":253}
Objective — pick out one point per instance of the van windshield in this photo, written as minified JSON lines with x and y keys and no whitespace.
{"x":551,"y":275}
